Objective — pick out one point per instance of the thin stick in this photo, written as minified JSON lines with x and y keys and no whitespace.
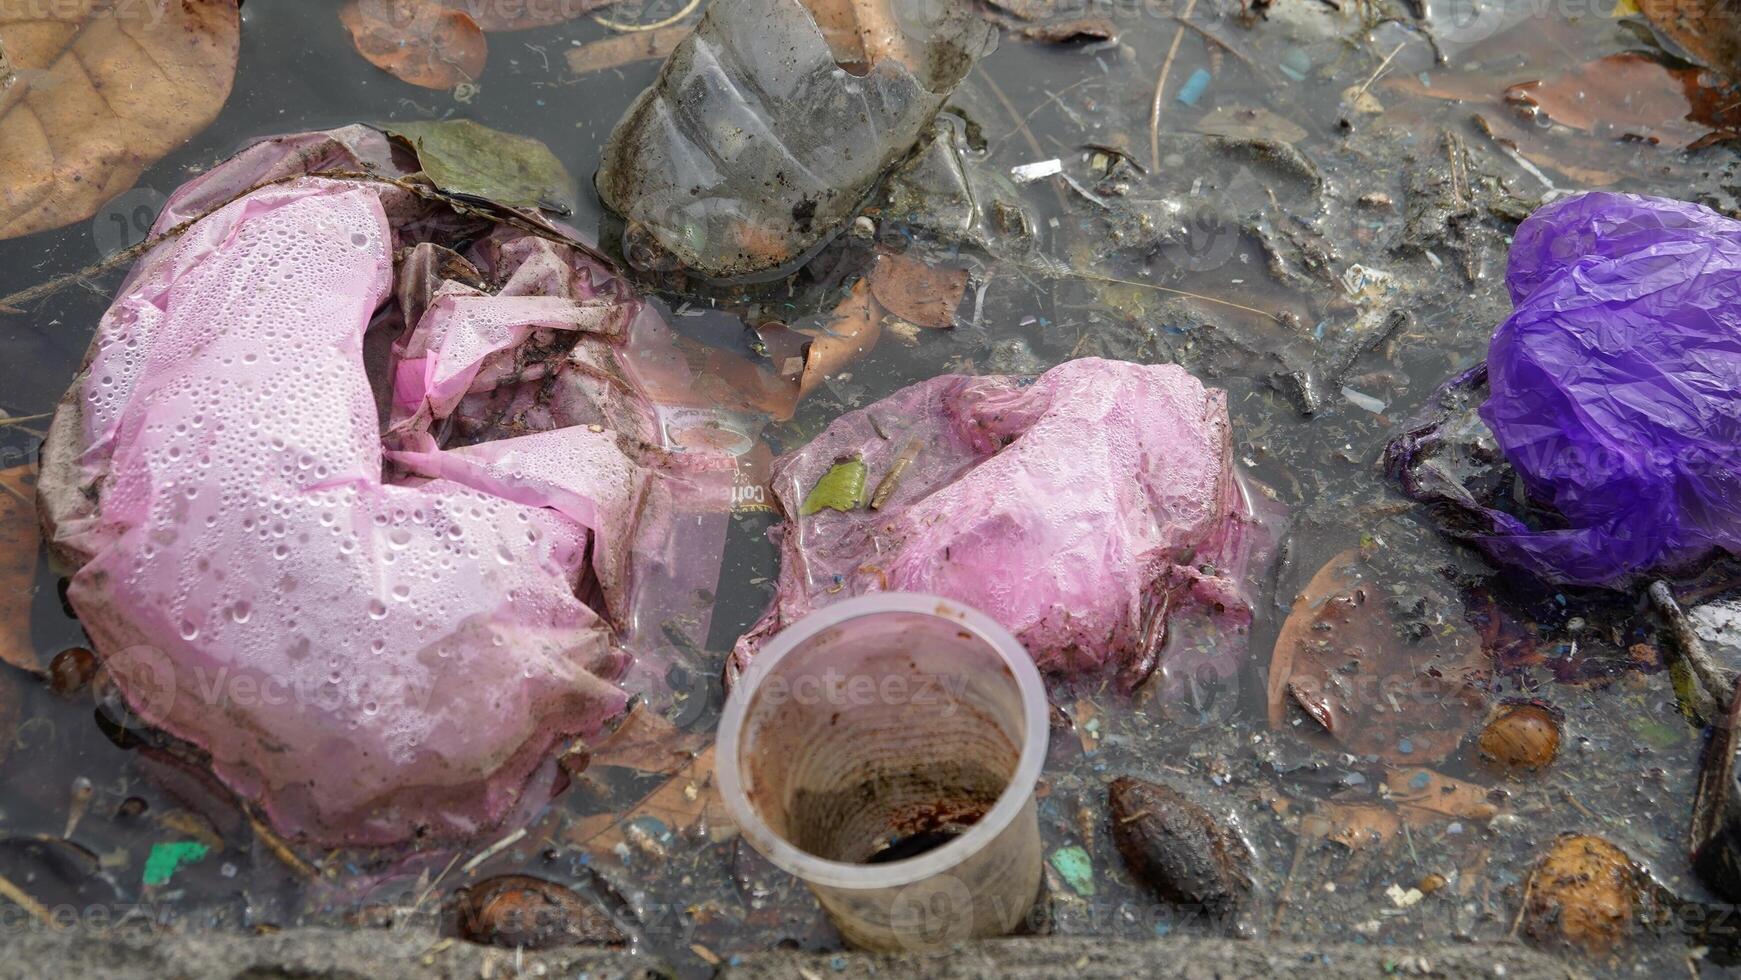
{"x":21,"y":419}
{"x":1375,"y":73}
{"x":1161,"y":89}
{"x":1168,"y":289}
{"x":493,"y":850}
{"x":279,"y":849}
{"x":25,"y":902}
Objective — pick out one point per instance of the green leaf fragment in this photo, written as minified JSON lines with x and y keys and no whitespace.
{"x":841,"y":488}
{"x":1077,"y":868}
{"x":462,"y":157}
{"x":168,"y":858}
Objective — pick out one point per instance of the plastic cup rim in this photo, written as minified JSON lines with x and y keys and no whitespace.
{"x":840,"y":874}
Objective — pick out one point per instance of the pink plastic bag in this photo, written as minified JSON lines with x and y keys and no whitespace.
{"x":374,"y":536}
{"x":1079,"y":509}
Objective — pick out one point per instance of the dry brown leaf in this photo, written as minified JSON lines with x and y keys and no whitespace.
{"x":1341,"y":658}
{"x":523,"y":15}
{"x":20,"y":540}
{"x":918,"y":293}
{"x":685,"y":801}
{"x":421,"y":42}
{"x":646,"y":741}
{"x":808,"y":357}
{"x":618,"y":50}
{"x":99,"y":92}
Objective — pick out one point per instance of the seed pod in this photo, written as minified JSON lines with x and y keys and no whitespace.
{"x":1583,"y":892}
{"x":519,"y":911}
{"x":1523,"y":735}
{"x":1177,"y":849}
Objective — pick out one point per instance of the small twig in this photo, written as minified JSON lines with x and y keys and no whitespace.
{"x":1285,"y":898}
{"x":1377,"y":72}
{"x":1161,"y":89}
{"x":279,"y":848}
{"x":1713,"y":680}
{"x":491,"y":851}
{"x":424,"y":897}
{"x":1175,"y":292}
{"x":24,"y":901}
{"x":21,"y":419}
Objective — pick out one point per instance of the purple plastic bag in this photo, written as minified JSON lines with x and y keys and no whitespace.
{"x":1616,"y":389}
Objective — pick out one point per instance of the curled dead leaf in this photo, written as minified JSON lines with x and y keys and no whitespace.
{"x":97,"y":93}
{"x":422,"y":42}
{"x":688,"y":800}
{"x":1341,"y":657}
{"x":1634,"y":96}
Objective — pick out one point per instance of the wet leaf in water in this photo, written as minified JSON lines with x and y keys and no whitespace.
{"x":618,"y":50}
{"x":523,"y":15}
{"x":1633,"y":96}
{"x":1342,"y":657}
{"x":1077,"y":30}
{"x":841,"y":488}
{"x":688,"y":800}
{"x":1709,"y":31}
{"x":417,"y":41}
{"x":811,"y":356}
{"x":647,"y":742}
{"x":523,"y":912}
{"x":99,"y":92}
{"x":1412,"y":797}
{"x":20,"y":540}
{"x":864,"y":32}
{"x":1583,"y":893}
{"x":918,"y":293}
{"x":463,"y":157}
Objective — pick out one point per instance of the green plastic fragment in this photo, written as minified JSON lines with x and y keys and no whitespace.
{"x":462,"y":157}
{"x":1077,"y":868}
{"x":841,"y":488}
{"x":168,"y":858}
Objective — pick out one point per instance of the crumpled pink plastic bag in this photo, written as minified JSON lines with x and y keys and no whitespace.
{"x":1078,"y":509}
{"x":367,"y":535}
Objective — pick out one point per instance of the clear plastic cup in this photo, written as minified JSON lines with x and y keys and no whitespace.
{"x":885,"y":750}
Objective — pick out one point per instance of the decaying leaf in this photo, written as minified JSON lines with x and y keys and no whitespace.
{"x":618,"y":50}
{"x":422,"y":42}
{"x":463,"y":157}
{"x":864,"y":32}
{"x":1341,"y":656}
{"x":853,"y":329}
{"x":1584,"y":893}
{"x":841,"y":488}
{"x":1412,"y":797}
{"x":1709,"y":31}
{"x":917,"y":292}
{"x":1238,"y":122}
{"x":523,"y":15}
{"x":1076,"y":30}
{"x":1634,"y":96}
{"x":523,"y":912}
{"x":646,"y":742}
{"x":97,"y":93}
{"x":20,"y":540}
{"x":686,"y":801}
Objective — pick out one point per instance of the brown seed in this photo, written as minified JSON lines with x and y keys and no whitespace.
{"x":71,"y":670}
{"x":1582,"y":893}
{"x":519,"y":911}
{"x":1176,"y":848}
{"x":1431,"y":883}
{"x":1524,"y":735}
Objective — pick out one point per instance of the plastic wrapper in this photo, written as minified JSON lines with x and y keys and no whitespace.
{"x":1614,"y":394}
{"x":1080,"y":509}
{"x":754,"y":144}
{"x":371,"y":521}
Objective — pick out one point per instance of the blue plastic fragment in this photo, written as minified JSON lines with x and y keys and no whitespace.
{"x":1195,"y":86}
